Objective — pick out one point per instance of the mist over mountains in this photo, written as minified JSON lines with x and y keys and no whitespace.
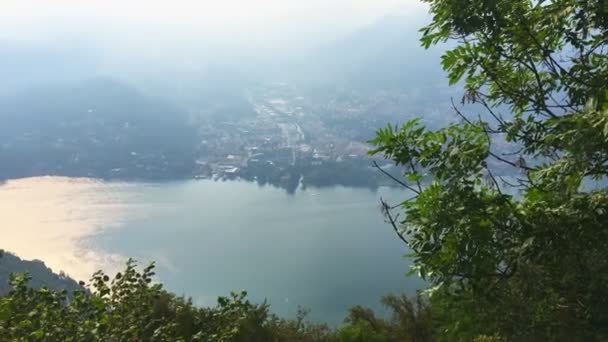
{"x":81,"y":127}
{"x":103,"y":109}
{"x":385,"y":54}
{"x":29,"y":64}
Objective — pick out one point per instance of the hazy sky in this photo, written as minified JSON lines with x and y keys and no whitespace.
{"x":258,"y":19}
{"x":138,"y":37}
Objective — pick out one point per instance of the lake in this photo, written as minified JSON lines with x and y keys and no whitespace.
{"x":325,"y":249}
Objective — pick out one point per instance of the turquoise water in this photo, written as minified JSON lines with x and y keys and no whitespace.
{"x":325,"y":249}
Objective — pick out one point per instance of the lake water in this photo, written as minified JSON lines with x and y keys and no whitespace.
{"x":325,"y":249}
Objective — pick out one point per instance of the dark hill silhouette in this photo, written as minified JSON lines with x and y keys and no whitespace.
{"x":40,"y":273}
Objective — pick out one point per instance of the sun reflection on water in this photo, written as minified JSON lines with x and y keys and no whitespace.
{"x":54,"y":218}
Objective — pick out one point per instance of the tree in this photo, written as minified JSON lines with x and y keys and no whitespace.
{"x":129,"y":307}
{"x":509,"y":215}
{"x":410,"y":320}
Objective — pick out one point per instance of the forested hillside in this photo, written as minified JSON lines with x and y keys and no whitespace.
{"x":42,"y":276}
{"x":96,"y":128}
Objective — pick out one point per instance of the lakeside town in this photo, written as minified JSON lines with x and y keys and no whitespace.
{"x":280,"y":135}
{"x":290,"y":140}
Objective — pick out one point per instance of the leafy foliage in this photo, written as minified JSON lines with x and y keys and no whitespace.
{"x":131,"y":307}
{"x":411,"y":320}
{"x":524,"y":256}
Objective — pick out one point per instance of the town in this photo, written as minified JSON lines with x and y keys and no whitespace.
{"x":290,"y":140}
{"x":278,"y":135}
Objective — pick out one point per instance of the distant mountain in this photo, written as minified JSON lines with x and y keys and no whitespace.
{"x":40,"y":273}
{"x":384,"y":55}
{"x":23,"y":65}
{"x":100,"y":128}
{"x":105,"y":100}
{"x":214,"y":91}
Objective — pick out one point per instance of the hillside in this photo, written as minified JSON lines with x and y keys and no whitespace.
{"x":100,"y":127}
{"x":24,"y":64}
{"x":40,"y":273}
{"x":384,"y":55}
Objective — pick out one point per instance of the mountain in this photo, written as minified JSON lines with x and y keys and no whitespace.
{"x":99,"y":127}
{"x":40,"y":273}
{"x":215,"y":91}
{"x":23,"y":65}
{"x":384,"y":55}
